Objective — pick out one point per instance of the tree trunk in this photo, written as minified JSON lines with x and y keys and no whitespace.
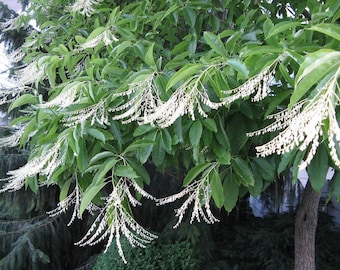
{"x":305,"y":228}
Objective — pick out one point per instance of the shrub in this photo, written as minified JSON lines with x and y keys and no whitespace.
{"x":178,"y":255}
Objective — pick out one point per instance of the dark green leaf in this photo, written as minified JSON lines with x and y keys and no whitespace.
{"x":243,"y":170}
{"x":231,"y":192}
{"x":195,"y":132}
{"x":216,"y":188}
{"x":194,"y":172}
{"x":318,"y":168}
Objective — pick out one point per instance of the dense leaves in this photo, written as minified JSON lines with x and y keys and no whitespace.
{"x":116,"y":85}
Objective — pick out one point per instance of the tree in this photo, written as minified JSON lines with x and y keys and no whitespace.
{"x":119,"y":90}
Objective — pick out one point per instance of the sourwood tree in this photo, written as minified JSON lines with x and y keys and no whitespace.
{"x":228,"y":94}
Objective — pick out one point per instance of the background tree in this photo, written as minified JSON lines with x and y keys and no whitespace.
{"x":121,"y":91}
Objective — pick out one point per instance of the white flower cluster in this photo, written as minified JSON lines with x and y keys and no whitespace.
{"x":74,"y":198}
{"x":14,"y":139}
{"x":200,"y":195}
{"x":189,"y":96}
{"x":258,"y":85}
{"x":115,"y":220}
{"x":96,"y":112}
{"x":44,"y":164}
{"x":29,"y":74}
{"x":303,"y":125}
{"x":66,"y":97}
{"x":107,"y":37}
{"x":8,"y":95}
{"x":84,"y":7}
{"x":144,"y":102}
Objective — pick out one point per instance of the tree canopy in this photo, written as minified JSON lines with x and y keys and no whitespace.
{"x":209,"y":90}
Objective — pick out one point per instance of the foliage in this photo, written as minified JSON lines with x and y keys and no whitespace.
{"x":178,"y":255}
{"x":116,"y":90}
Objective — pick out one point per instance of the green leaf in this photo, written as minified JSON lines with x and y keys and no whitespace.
{"x":166,"y":139}
{"x":243,"y":170}
{"x":139,"y":169}
{"x":64,"y":190}
{"x":216,"y":188}
{"x":149,"y":58}
{"x":23,"y":100}
{"x":158,"y":151}
{"x":137,"y":145}
{"x":195,"y":132}
{"x":239,"y":66}
{"x":184,"y":73}
{"x":265,"y":169}
{"x":316,"y":66}
{"x":231,"y":192}
{"x":88,"y":196}
{"x":318,"y":168}
{"x":108,"y":165}
{"x":95,"y":33}
{"x":100,"y":156}
{"x":329,"y":29}
{"x":334,"y":186}
{"x":286,"y":160}
{"x":282,"y":27}
{"x":194,"y":172}
{"x":125,"y":171}
{"x":96,"y":134}
{"x":189,"y":16}
{"x":215,"y":43}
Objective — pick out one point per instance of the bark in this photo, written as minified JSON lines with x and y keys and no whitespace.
{"x":305,"y":228}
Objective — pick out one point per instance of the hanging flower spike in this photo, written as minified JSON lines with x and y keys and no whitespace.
{"x":84,"y":7}
{"x":200,"y":195}
{"x":145,"y":100}
{"x":258,"y":85}
{"x":303,"y":125}
{"x":107,"y":37}
{"x":66,"y":97}
{"x":44,"y":164}
{"x":115,"y":220}
{"x":189,"y":96}
{"x":14,"y":139}
{"x":74,"y":198}
{"x":29,"y":74}
{"x":96,"y":112}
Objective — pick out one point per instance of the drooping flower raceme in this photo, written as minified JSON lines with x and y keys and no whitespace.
{"x":44,"y":164}
{"x":115,"y":220}
{"x":189,"y":96}
{"x":302,"y":125}
{"x":199,"y":194}
{"x":143,"y":102}
{"x":84,"y":7}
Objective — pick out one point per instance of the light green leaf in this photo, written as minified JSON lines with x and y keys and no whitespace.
{"x":108,"y":165}
{"x":329,"y":29}
{"x":64,"y":190}
{"x":318,"y":168}
{"x":184,"y":73}
{"x":231,"y":192}
{"x":149,"y":58}
{"x":216,"y":188}
{"x":243,"y":170}
{"x":194,"y":172}
{"x":95,"y":33}
{"x":316,"y":66}
{"x":282,"y":27}
{"x":215,"y":43}
{"x":195,"y":132}
{"x":88,"y":196}
{"x":23,"y":100}
{"x":239,"y":66}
